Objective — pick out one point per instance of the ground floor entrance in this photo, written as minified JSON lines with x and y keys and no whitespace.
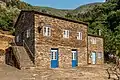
{"x":74,"y":58}
{"x":93,"y":58}
{"x":54,"y":58}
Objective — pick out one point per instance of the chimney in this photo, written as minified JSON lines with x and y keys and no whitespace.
{"x":99,"y":32}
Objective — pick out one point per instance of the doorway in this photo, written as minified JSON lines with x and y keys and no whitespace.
{"x":54,"y":58}
{"x":74,"y":58}
{"x":93,"y":58}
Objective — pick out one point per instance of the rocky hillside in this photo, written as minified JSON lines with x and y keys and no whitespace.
{"x":5,"y":39}
{"x":4,"y":44}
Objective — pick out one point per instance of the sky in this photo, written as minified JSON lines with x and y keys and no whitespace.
{"x":61,"y":4}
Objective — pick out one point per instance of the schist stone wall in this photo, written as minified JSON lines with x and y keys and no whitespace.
{"x":25,"y":23}
{"x":43,"y":44}
{"x":95,"y":44}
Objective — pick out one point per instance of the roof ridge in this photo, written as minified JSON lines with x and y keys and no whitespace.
{"x":63,"y":18}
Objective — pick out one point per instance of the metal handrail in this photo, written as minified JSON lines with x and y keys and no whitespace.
{"x":28,"y":48}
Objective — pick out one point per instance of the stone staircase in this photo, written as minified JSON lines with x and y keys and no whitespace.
{"x":22,"y":57}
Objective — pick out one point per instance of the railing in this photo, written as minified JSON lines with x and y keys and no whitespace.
{"x":31,"y":53}
{"x":28,"y":49}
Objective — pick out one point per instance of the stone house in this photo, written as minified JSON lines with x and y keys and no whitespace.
{"x":47,"y":41}
{"x":95,"y":49}
{"x":52,"y":41}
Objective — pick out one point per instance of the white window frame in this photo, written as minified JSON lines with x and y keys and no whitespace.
{"x":79,"y":35}
{"x":93,"y":40}
{"x":74,"y":55}
{"x":53,"y":54}
{"x":17,"y":38}
{"x":66,"y":33}
{"x":99,"y":55}
{"x":46,"y":31}
{"x":28,"y":33}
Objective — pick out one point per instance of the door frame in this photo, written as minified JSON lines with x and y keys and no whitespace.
{"x":93,"y":60}
{"x":74,"y":57}
{"x":54,"y":58}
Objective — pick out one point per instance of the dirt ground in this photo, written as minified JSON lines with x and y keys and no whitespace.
{"x":91,"y":72}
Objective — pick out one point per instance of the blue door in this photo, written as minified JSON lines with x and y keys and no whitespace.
{"x":54,"y":58}
{"x":93,"y":58}
{"x":74,"y":59}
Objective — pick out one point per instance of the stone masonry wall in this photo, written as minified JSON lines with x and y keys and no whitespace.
{"x":65,"y":56}
{"x":24,"y":23}
{"x":98,"y":47}
{"x":44,"y":44}
{"x":2,"y":56}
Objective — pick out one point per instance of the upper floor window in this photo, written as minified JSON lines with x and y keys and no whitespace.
{"x":66,"y":33}
{"x":79,"y":35}
{"x":46,"y":31}
{"x":93,"y":40}
{"x":28,"y":33}
{"x":17,"y":38}
{"x":99,"y":54}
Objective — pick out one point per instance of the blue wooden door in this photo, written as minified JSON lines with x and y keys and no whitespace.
{"x":74,"y":59}
{"x":93,"y":58}
{"x":54,"y":58}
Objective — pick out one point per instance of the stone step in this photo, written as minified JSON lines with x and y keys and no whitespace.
{"x":22,"y":57}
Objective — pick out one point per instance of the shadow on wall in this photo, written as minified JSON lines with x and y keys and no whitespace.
{"x":109,"y":58}
{"x":10,"y":58}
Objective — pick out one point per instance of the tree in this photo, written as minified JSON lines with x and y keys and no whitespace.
{"x":68,"y":15}
{"x":44,"y":11}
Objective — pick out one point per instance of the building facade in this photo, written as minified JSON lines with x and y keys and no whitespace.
{"x":95,"y":49}
{"x":52,"y":41}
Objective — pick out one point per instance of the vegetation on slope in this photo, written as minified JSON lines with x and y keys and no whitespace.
{"x":105,"y":17}
{"x":7,"y":14}
{"x":85,"y":8}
